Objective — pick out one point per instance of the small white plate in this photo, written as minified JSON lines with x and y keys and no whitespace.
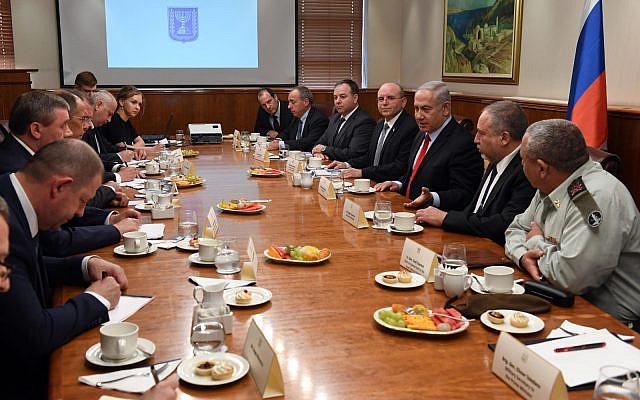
{"x":195,"y":258}
{"x":416,"y":280}
{"x":384,"y":228}
{"x":354,"y":191}
{"x":535,"y":323}
{"x":376,"y":318}
{"x":258,"y":296}
{"x":122,"y":252}
{"x":184,"y":245}
{"x":416,"y":229}
{"x":94,"y":354}
{"x":144,"y":206}
{"x":517,"y":289}
{"x":186,"y":369}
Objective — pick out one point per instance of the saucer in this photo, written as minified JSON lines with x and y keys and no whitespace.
{"x":186,"y":369}
{"x":94,"y":354}
{"x":354,"y":191}
{"x":374,"y":226}
{"x":122,"y":252}
{"x":369,"y":214}
{"x":416,"y":280}
{"x":195,"y":258}
{"x":416,"y":229}
{"x":144,"y":206}
{"x":231,"y":271}
{"x":184,"y":245}
{"x":535,"y":323}
{"x":517,"y":289}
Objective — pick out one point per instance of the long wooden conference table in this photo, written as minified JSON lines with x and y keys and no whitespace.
{"x":319,"y":320}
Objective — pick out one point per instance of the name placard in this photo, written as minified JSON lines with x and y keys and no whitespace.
{"x":353,"y":214}
{"x":419,"y":259}
{"x":264,"y":367}
{"x":326,"y":189}
{"x":261,"y":153}
{"x":210,"y":224}
{"x":526,"y":372}
{"x":250,"y":268}
{"x":294,"y":166}
{"x":188,"y":168}
{"x":177,"y":155}
{"x":237,"y":146}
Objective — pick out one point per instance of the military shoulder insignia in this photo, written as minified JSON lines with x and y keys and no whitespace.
{"x":585,"y":203}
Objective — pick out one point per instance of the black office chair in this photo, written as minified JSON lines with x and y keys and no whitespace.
{"x":610,"y":162}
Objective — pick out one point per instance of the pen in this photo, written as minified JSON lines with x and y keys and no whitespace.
{"x":137,"y":295}
{"x":155,"y":374}
{"x":580,"y":347}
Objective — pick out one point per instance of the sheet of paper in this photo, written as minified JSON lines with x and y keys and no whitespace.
{"x":153,"y":231}
{"x":579,"y":329}
{"x":582,"y":366}
{"x":127,"y":306}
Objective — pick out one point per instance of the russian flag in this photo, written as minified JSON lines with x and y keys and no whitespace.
{"x":587,"y":106}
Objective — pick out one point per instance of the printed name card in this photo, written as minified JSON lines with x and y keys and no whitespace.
{"x":261,"y":153}
{"x":526,"y":372}
{"x":250,"y":268}
{"x":263,"y":363}
{"x":210,"y":224}
{"x":177,"y":155}
{"x":326,"y":189}
{"x":237,"y":146}
{"x":188,"y":168}
{"x":294,"y":165}
{"x":419,"y":259}
{"x":353,"y":214}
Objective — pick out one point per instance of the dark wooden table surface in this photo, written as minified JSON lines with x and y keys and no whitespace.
{"x":319,"y":320}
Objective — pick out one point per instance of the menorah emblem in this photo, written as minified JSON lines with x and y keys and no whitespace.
{"x":183,"y":24}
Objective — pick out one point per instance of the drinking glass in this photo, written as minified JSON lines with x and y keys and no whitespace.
{"x":179,"y":137}
{"x":188,"y":224}
{"x":382,"y":214}
{"x":245,"y":141}
{"x":338,"y":183}
{"x":615,"y":382}
{"x":207,"y":337}
{"x":454,"y":255}
{"x":284,"y":151}
{"x":228,"y":258}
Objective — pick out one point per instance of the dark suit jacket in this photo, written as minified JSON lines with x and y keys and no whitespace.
{"x":314,"y":127}
{"x":510,"y":196}
{"x":353,"y":139}
{"x":30,"y":327}
{"x":395,"y":151}
{"x":105,"y":150}
{"x":452,"y":167}
{"x":76,"y":236}
{"x":263,"y":124}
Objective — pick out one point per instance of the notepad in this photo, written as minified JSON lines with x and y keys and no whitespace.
{"x":127,"y":306}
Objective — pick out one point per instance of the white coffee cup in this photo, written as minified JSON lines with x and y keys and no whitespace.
{"x":498,"y":278}
{"x":152,"y":167}
{"x":315,"y":162}
{"x":362,"y":185}
{"x":118,"y":340}
{"x":161,"y":201}
{"x":253,"y":136}
{"x":455,"y":281}
{"x":135,"y":242}
{"x":404,"y":221}
{"x":208,"y":249}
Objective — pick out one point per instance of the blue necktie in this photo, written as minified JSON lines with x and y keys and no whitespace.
{"x":299,"y":132}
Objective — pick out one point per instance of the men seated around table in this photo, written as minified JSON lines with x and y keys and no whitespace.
{"x":581,"y":231}
{"x":349,"y":131}
{"x":444,"y":164}
{"x":48,"y":191}
{"x":5,"y":270}
{"x":86,"y":81}
{"x":307,"y":126}
{"x":39,"y":118}
{"x":504,"y":191}
{"x":273,"y":115}
{"x":80,"y":116}
{"x":119,"y":130}
{"x":390,"y":142}
{"x":114,"y":158}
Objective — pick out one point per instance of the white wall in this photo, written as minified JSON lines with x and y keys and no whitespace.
{"x":405,"y":45}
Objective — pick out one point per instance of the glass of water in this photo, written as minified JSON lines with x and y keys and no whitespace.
{"x":208,"y":337}
{"x":454,"y":255}
{"x":245,"y":141}
{"x":338,"y":183}
{"x":616,"y":382}
{"x":382,"y":214}
{"x":284,"y":151}
{"x":188,"y":224}
{"x":179,"y":137}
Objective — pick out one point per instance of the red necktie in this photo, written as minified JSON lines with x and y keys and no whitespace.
{"x":423,"y":151}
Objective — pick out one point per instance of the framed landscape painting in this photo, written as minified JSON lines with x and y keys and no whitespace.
{"x":482,"y":41}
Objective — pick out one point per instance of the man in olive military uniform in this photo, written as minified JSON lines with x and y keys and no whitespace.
{"x":581,"y":231}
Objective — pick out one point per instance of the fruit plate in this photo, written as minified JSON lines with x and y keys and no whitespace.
{"x":265,"y":172}
{"x":187,"y":184}
{"x":189,"y":153}
{"x":464,"y":326}
{"x":292,"y":261}
{"x":261,"y":207}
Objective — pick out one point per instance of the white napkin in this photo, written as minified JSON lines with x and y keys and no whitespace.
{"x":231,"y":283}
{"x":578,"y":329}
{"x":135,"y":384}
{"x":136,"y":202}
{"x":127,"y":306}
{"x":135,"y":163}
{"x":153,"y":231}
{"x":164,"y":244}
{"x":137,"y":183}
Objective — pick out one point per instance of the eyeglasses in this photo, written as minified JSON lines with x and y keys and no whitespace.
{"x":84,"y":118}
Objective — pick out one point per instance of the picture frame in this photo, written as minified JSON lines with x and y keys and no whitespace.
{"x":482,"y":41}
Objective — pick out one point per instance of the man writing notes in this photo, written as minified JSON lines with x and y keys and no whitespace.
{"x":444,"y":164}
{"x":273,"y":115}
{"x":50,"y":189}
{"x":307,"y":126}
{"x":581,"y":230}
{"x":390,"y":142}
{"x":504,"y":191}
